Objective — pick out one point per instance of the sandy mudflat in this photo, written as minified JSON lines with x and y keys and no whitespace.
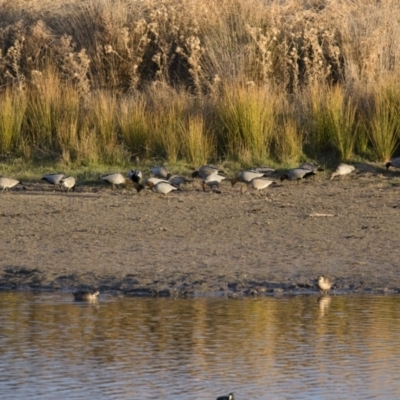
{"x":205,"y":243}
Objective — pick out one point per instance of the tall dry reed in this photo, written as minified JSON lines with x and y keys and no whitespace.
{"x":103,"y":55}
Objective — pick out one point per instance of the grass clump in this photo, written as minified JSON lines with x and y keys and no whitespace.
{"x":247,"y":122}
{"x":12,"y":111}
{"x":382,"y":122}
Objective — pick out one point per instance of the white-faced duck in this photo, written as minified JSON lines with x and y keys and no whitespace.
{"x":7,"y":183}
{"x":115,"y":179}
{"x":212,"y":180}
{"x":68,"y":182}
{"x":161,"y":187}
{"x":342,"y":170}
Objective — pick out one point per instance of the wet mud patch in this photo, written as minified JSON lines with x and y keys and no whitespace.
{"x":197,"y":243}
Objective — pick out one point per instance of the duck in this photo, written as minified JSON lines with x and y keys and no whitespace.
{"x":297,"y":174}
{"x":394,"y":162}
{"x":114,"y":179}
{"x":6,"y":183}
{"x":86,"y":295}
{"x":154,"y":181}
{"x":161,"y":187}
{"x":260,"y":184}
{"x":265,"y":170}
{"x":206,"y":170}
{"x":310,"y":166}
{"x":324,"y":284}
{"x":53,"y":179}
{"x":147,"y":183}
{"x":135,"y":175}
{"x":212,"y":180}
{"x":177,"y":180}
{"x":247,"y":176}
{"x":68,"y":182}
{"x":342,"y":169}
{"x":229,"y":397}
{"x":160,"y":172}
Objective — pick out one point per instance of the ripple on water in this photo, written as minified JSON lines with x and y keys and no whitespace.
{"x":132,"y":348}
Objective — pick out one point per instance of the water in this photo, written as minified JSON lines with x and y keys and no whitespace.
{"x":341,"y":347}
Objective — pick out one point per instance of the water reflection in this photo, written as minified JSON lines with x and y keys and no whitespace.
{"x":130,"y":348}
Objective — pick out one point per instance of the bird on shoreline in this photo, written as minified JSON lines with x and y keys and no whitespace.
{"x":7,"y":183}
{"x":342,"y":169}
{"x":205,"y":171}
{"x":259,"y":184}
{"x":161,"y":187}
{"x":177,"y":180}
{"x":212,"y":180}
{"x":68,"y":182}
{"x":160,"y":172}
{"x":86,"y":295}
{"x":297,"y":174}
{"x":394,"y":162}
{"x":135,"y":175}
{"x":54,"y":179}
{"x":310,"y":166}
{"x":324,"y":284}
{"x":229,"y":397}
{"x":246,"y":176}
{"x":115,"y":179}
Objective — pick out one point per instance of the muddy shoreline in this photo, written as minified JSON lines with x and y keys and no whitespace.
{"x":196,"y":243}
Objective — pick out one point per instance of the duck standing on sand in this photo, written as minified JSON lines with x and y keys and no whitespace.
{"x":205,"y":171}
{"x":178,"y":180}
{"x":324,"y":284}
{"x":259,"y":184}
{"x":160,"y":172}
{"x":6,"y":183}
{"x":86,"y":295}
{"x":212,"y":180}
{"x":297,"y":174}
{"x":68,"y":182}
{"x":115,"y":179}
{"x":342,"y":169}
{"x":53,"y":179}
{"x":394,"y":162}
{"x":162,"y":187}
{"x":311,"y":166}
{"x":247,"y":176}
{"x":135,"y":175}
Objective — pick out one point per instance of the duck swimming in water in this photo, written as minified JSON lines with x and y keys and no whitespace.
{"x":86,"y":295}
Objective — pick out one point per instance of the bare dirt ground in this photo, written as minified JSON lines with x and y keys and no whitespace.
{"x":204,"y":243}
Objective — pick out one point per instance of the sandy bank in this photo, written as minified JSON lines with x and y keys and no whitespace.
{"x":205,"y":243}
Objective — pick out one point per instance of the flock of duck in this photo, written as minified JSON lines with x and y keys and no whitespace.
{"x":164,"y":182}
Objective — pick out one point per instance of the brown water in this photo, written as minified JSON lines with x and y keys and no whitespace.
{"x":341,"y":347}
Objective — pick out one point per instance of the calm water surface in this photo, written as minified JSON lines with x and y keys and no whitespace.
{"x":340,"y":347}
